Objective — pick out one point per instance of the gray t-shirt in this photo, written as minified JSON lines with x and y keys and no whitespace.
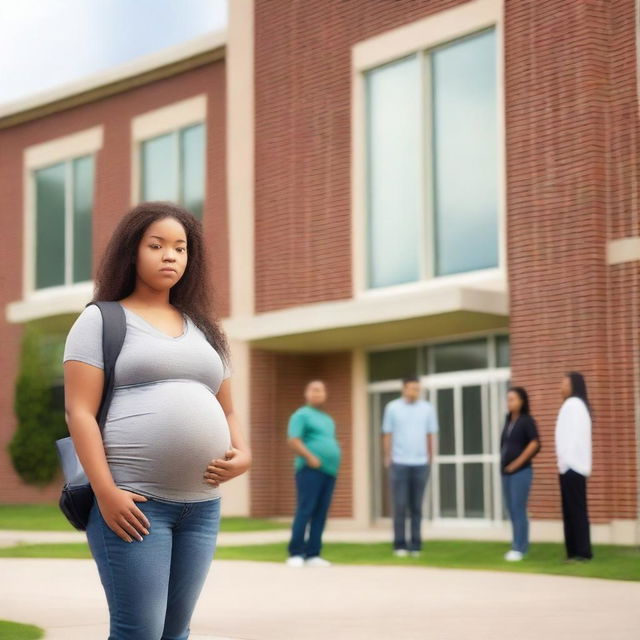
{"x":164,"y":424}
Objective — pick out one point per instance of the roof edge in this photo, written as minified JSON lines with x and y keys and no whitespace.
{"x":143,"y":70}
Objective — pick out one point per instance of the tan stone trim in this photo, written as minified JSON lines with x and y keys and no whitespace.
{"x":51,"y":301}
{"x":426,"y":33}
{"x":76,"y":144}
{"x":615,"y":532}
{"x":169,"y":117}
{"x":423,"y":300}
{"x":623,"y":250}
{"x":622,"y":532}
{"x":240,"y":155}
{"x":240,"y":194}
{"x":236,"y":493}
{"x":361,"y":488}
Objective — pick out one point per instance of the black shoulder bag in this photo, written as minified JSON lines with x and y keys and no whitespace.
{"x":77,"y":495}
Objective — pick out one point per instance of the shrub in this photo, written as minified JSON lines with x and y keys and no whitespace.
{"x":40,"y":419}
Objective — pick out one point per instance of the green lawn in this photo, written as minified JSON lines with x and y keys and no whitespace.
{"x":239,"y":524}
{"x":17,"y":631}
{"x":48,"y":517}
{"x":610,"y":562}
{"x":74,"y":550}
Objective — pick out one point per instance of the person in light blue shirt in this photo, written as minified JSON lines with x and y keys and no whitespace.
{"x":408,"y":425}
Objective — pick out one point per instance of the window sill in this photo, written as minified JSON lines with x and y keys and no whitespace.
{"x":51,"y":301}
{"x":489,"y":279}
{"x":427,"y":309}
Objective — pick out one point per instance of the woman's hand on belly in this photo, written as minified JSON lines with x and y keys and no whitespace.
{"x":235,"y":464}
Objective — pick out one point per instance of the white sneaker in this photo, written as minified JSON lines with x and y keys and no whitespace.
{"x":295,"y":561}
{"x":400,"y":553}
{"x":513,"y":556}
{"x":317,"y":561}
{"x":415,"y":554}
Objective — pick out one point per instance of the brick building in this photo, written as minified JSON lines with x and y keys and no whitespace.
{"x":440,"y":188}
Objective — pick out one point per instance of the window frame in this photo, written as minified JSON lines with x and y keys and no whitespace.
{"x":60,"y":150}
{"x":425,"y":354}
{"x":418,"y":38}
{"x":69,"y":218}
{"x":170,"y":119}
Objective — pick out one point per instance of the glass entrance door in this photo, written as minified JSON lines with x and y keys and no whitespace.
{"x":465,"y":482}
{"x":381,"y":506}
{"x":465,"y":478}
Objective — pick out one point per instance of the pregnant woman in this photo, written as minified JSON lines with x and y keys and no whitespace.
{"x":171,"y":436}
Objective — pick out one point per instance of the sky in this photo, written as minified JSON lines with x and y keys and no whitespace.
{"x":47,"y":43}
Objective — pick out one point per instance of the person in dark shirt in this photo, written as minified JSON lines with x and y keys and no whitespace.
{"x":518,"y":445}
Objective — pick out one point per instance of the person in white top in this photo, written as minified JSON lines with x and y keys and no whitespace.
{"x":573,"y":453}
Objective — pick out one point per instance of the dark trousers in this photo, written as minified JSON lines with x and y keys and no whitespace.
{"x":573,"y":488}
{"x":408,"y":483}
{"x":314,"y":492}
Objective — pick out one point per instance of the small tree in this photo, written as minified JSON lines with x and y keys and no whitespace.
{"x":40,"y":422}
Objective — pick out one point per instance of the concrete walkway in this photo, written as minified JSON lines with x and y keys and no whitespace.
{"x":265,"y":601}
{"x":335,"y":532}
{"x":8,"y":538}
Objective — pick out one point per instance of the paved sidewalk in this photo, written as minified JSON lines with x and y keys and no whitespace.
{"x":266,"y":601}
{"x":333,"y":533}
{"x":9,"y":538}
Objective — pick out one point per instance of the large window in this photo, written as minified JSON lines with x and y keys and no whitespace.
{"x":173,"y":168}
{"x":394,"y":176}
{"x":63,"y":229}
{"x":432,"y":163}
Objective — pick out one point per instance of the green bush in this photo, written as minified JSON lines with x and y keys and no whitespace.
{"x":40,"y":418}
{"x":16,"y":631}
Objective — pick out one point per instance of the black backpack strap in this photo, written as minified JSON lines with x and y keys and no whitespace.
{"x":114,"y":329}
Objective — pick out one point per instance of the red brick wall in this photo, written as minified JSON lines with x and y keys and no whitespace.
{"x":277,"y":385}
{"x":302,"y":120}
{"x":111,"y":200}
{"x":623,"y":285}
{"x":572,"y":168}
{"x":572,"y":172}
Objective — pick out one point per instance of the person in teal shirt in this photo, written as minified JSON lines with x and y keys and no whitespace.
{"x":312,"y":435}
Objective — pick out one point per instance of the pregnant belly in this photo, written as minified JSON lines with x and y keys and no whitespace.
{"x":160,"y":437}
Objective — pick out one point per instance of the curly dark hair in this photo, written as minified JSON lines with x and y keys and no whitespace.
{"x":193,"y":294}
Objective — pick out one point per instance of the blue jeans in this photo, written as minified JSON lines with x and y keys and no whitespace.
{"x":152,"y":585}
{"x":314,"y":492}
{"x":408,"y":482}
{"x":516,"y":494}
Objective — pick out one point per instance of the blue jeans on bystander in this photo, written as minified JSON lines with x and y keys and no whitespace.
{"x":314,"y":492}
{"x":516,"y":494}
{"x":408,"y":483}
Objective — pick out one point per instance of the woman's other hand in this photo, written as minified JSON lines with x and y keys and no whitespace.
{"x":121,"y":514}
